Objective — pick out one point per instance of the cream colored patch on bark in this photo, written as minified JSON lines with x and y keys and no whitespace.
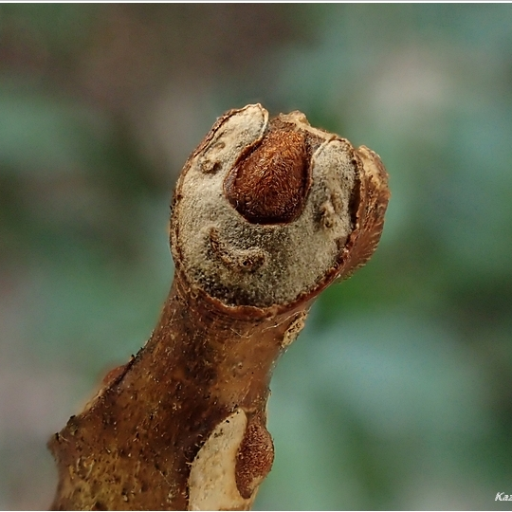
{"x":212,"y":483}
{"x":294,"y":330}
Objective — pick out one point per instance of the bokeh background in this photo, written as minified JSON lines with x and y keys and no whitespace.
{"x":398,"y":394}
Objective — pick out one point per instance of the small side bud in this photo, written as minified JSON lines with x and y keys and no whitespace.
{"x":254,"y":458}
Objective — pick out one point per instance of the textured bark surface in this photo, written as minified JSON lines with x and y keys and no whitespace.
{"x":265,"y":215}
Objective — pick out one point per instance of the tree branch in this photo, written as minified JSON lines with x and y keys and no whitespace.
{"x":265,"y":215}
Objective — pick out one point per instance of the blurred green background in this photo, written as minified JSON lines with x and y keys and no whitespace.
{"x":398,"y":395}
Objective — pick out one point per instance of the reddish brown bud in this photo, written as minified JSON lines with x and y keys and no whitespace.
{"x":269,"y":184}
{"x":254,"y":458}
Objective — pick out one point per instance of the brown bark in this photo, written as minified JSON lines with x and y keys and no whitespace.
{"x":182,"y":425}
